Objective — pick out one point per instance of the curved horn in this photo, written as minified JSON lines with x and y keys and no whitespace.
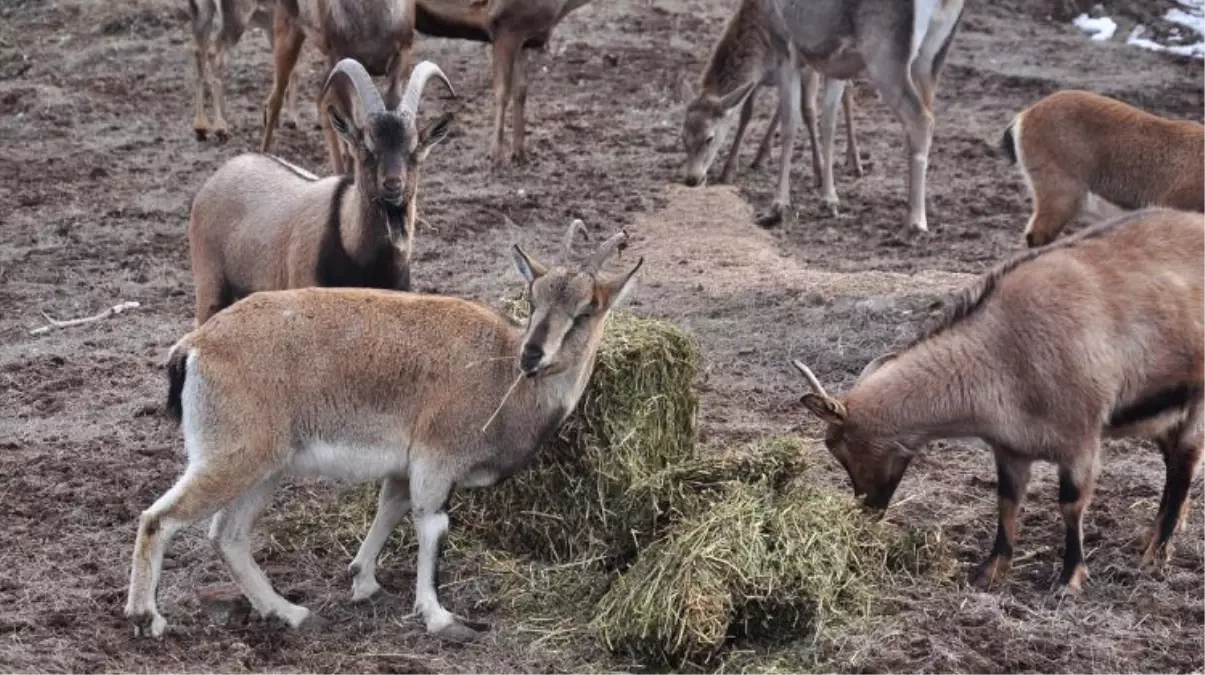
{"x":574,"y":228}
{"x":810,"y":377}
{"x":418,"y":81}
{"x":353,"y":73}
{"x":609,"y":248}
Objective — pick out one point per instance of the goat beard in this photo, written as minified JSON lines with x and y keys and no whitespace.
{"x":395,"y":220}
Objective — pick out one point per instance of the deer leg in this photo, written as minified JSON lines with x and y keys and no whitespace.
{"x":1182,"y":455}
{"x":886,"y":65}
{"x":429,"y":492}
{"x":230,"y":535}
{"x":807,"y":104}
{"x":505,"y":49}
{"x":853,"y":157}
{"x":763,"y":149}
{"x":198,"y":493}
{"x":828,"y":129}
{"x":217,"y":84}
{"x":1077,"y":480}
{"x":742,"y":124}
{"x":393,"y":503}
{"x":286,"y":47}
{"x":520,"y":76}
{"x":200,"y":52}
{"x":1012,"y":478}
{"x":788,"y":111}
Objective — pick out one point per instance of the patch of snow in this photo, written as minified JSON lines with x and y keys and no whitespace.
{"x":1100,"y":29}
{"x":1196,"y":51}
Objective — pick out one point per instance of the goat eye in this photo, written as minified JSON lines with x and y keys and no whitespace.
{"x":710,"y":139}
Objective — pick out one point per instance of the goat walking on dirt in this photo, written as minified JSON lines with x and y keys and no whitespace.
{"x":427,"y":393}
{"x":1101,"y":334}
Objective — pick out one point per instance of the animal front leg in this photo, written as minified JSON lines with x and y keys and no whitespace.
{"x":788,"y":109}
{"x":504,"y":64}
{"x":1076,"y":483}
{"x":393,"y":504}
{"x":1012,"y":479}
{"x":741,"y":124}
{"x":833,"y":90}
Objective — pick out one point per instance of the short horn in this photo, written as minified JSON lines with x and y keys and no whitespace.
{"x":810,"y":377}
{"x":609,"y":248}
{"x":574,"y":228}
{"x":349,"y":71}
{"x":418,"y":82}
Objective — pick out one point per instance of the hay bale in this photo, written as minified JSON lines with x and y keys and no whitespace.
{"x":635,"y":419}
{"x":757,"y":563}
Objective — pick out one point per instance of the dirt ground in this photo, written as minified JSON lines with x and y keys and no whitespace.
{"x":97,"y":168}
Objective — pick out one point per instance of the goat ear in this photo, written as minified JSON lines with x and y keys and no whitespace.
{"x":528,"y":267}
{"x":875,"y":365}
{"x":731,"y":99}
{"x":612,"y":292}
{"x":826,"y":408}
{"x":432,"y":134}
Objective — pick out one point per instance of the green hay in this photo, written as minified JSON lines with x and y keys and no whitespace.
{"x":636,"y":418}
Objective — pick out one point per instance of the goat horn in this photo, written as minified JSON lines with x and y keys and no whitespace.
{"x":610,"y":247}
{"x":418,"y":81}
{"x":574,"y":228}
{"x":810,"y":377}
{"x":352,"y":71}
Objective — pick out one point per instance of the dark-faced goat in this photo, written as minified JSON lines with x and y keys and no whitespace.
{"x":260,"y":223}
{"x":426,"y":393}
{"x":1101,"y":334}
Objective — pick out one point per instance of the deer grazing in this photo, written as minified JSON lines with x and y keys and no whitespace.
{"x":426,"y":393}
{"x":512,"y":27}
{"x":1101,"y":334}
{"x":1080,"y":152}
{"x":743,"y":59}
{"x":902,"y":47}
{"x":378,"y":34}
{"x":260,"y":223}
{"x":217,"y":26}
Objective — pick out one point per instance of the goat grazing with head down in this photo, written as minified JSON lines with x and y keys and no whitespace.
{"x":260,"y":223}
{"x":1101,"y":334}
{"x":427,"y":393}
{"x":901,"y":46}
{"x":512,"y":27}
{"x":378,"y":34}
{"x":1083,"y":152}
{"x":743,"y":59}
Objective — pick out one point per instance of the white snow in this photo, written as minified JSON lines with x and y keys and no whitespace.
{"x":1100,"y":29}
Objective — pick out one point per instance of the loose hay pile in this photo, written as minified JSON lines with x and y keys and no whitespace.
{"x":625,"y":531}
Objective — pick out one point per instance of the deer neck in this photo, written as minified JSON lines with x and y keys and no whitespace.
{"x":742,"y":55}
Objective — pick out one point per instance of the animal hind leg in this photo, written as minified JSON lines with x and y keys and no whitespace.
{"x":202,"y":21}
{"x":393,"y":503}
{"x":505,"y":49}
{"x":521,"y":76}
{"x":853,"y":156}
{"x":286,"y":48}
{"x":1077,"y":480}
{"x":1012,"y":480}
{"x":1182,"y":455}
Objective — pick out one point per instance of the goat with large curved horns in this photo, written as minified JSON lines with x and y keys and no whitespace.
{"x":261,"y":224}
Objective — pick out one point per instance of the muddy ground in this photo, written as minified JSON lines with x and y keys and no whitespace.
{"x":97,"y":169}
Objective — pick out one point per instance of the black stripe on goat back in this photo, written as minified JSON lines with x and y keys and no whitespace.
{"x":337,"y":269}
{"x":1156,"y":404}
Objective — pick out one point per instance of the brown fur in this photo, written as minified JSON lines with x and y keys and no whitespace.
{"x":379,"y":34}
{"x":1075,"y":146}
{"x":1102,"y":335}
{"x":513,"y":27}
{"x":426,"y":393}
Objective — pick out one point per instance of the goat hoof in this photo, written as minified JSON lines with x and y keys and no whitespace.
{"x":147,"y":623}
{"x":222,"y":135}
{"x":313,"y":624}
{"x":290,"y":124}
{"x":771,"y":218}
{"x":201,"y":133}
{"x":987,"y":574}
{"x":461,"y":630}
{"x":1070,"y":585}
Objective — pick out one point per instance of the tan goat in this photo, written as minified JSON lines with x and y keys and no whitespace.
{"x":427,"y":393}
{"x":260,"y":223}
{"x":1083,"y":152}
{"x":1099,"y":335}
{"x":513,"y":27}
{"x":744,"y":58}
{"x":378,"y":34}
{"x":901,"y":46}
{"x":217,"y":26}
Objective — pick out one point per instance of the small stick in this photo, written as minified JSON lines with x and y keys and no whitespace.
{"x":502,"y":402}
{"x":55,"y":323}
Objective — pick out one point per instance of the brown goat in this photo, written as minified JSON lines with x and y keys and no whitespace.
{"x":260,"y":223}
{"x":426,"y":393}
{"x":513,"y":27}
{"x":378,"y":34}
{"x":1101,"y":334}
{"x":1076,"y":149}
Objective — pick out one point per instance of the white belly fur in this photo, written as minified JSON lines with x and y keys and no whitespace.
{"x":350,"y":462}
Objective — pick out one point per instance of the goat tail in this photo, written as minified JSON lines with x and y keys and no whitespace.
{"x":1008,"y":142}
{"x":177,"y":370}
